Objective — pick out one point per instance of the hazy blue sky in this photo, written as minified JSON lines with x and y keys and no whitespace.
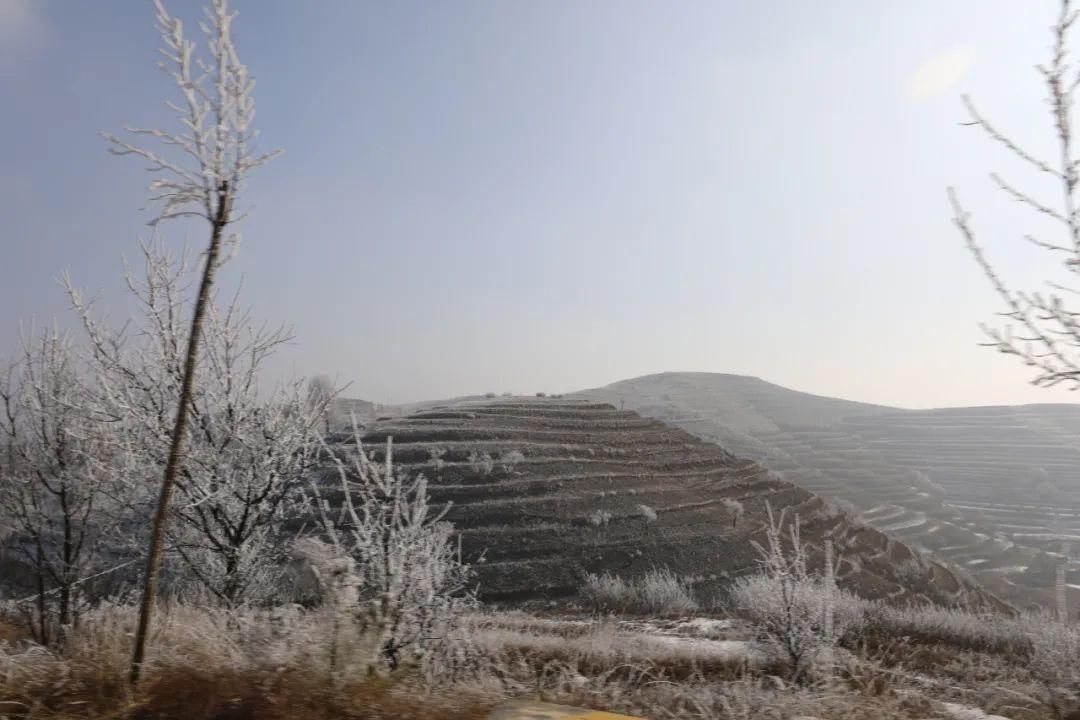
{"x":525,"y":196}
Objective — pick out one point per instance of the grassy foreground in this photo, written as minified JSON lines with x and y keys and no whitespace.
{"x":284,"y":664}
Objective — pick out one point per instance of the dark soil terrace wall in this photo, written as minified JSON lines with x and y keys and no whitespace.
{"x":570,"y":504}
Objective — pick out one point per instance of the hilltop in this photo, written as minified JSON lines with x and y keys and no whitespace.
{"x":981,"y":487}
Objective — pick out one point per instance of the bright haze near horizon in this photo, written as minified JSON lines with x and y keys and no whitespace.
{"x":518,"y":196}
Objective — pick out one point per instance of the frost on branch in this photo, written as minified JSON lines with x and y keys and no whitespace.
{"x":411,"y":584}
{"x":801,"y":613}
{"x":200,"y":168}
{"x":58,"y":481}
{"x":250,"y":449}
{"x":1047,"y":336}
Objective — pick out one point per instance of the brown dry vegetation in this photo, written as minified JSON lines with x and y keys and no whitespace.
{"x":218,"y":667}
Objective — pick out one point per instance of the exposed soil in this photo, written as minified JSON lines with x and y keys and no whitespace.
{"x":571,"y":502}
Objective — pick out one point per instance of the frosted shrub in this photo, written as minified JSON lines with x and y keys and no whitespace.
{"x":657,"y":592}
{"x":835,"y":508}
{"x":481,"y":462}
{"x":600,"y":518}
{"x":661,"y":592}
{"x":790,"y":606}
{"x":982,"y":632}
{"x":790,"y":613}
{"x":1055,"y":656}
{"x":648,"y":513}
{"x":909,"y":571}
{"x":735,"y":508}
{"x":399,"y":558}
{"x":435,"y":457}
{"x":508,"y":459}
{"x":606,"y":592}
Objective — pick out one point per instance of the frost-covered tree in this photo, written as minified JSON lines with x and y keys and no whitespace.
{"x":735,"y":508}
{"x":246,"y":462}
{"x":411,"y":585}
{"x":509,"y":459}
{"x":199,"y":171}
{"x":481,"y":462}
{"x":1048,"y":331}
{"x":58,"y":477}
{"x":322,"y":392}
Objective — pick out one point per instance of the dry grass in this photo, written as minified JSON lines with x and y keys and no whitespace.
{"x":207,"y":664}
{"x":657,"y":593}
{"x":215,"y":666}
{"x":933,"y":625}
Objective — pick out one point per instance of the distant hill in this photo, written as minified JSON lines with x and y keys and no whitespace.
{"x":993,"y":489}
{"x":743,"y":403}
{"x":571,"y":486}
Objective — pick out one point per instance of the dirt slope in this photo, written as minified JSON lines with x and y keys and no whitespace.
{"x":564,"y":496}
{"x":1003,"y":492}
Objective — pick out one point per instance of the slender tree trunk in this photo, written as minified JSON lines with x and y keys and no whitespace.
{"x":179,"y":434}
{"x":42,"y":609}
{"x":65,"y":587}
{"x":232,"y":586}
{"x":830,"y":583}
{"x":1061,"y":600}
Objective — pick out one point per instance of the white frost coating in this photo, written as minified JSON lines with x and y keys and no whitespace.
{"x":919,"y":518}
{"x":245,"y":462}
{"x":212,"y":151}
{"x":963,"y":712}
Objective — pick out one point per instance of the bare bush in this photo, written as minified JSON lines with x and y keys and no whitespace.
{"x":909,"y":571}
{"x":1054,"y":658}
{"x":658,"y":592}
{"x":648,"y":513}
{"x":735,"y":508}
{"x":435,"y":457}
{"x":839,"y":508}
{"x":607,"y":592}
{"x":600,"y":518}
{"x":509,"y":459}
{"x":409,"y":580}
{"x":58,"y":478}
{"x":981,"y":632}
{"x":790,"y":606}
{"x":481,"y":462}
{"x":322,"y":392}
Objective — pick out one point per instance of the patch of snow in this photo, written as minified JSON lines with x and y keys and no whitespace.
{"x":1012,"y":569}
{"x":918,"y":519}
{"x":963,"y":712}
{"x":712,"y":648}
{"x":1047,"y":536}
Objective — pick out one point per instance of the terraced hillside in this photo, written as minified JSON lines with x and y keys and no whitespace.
{"x":995,"y":490}
{"x":544,"y":490}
